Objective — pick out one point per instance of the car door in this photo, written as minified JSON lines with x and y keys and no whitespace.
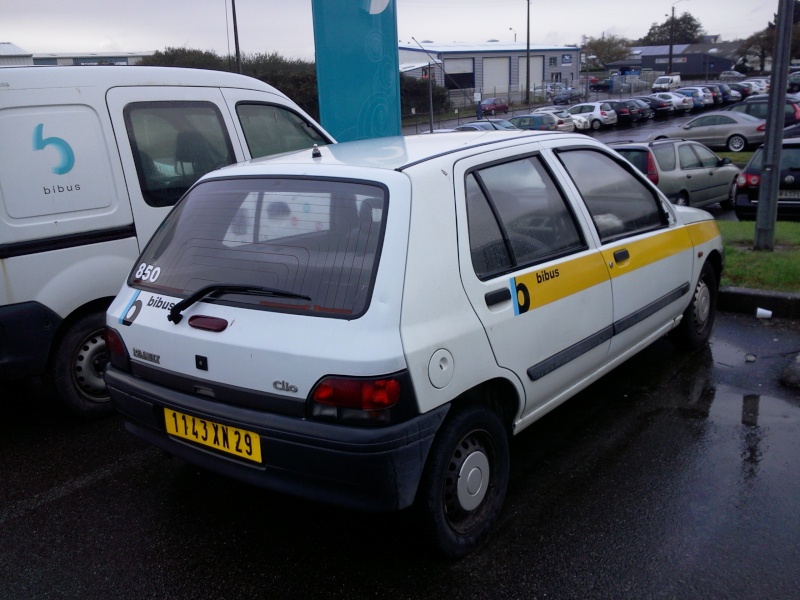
{"x":704,"y":130}
{"x":541,"y":291}
{"x":716,"y":179}
{"x":697,"y":180}
{"x":648,"y":256}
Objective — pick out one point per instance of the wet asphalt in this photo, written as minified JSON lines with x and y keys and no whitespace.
{"x":676,"y":476}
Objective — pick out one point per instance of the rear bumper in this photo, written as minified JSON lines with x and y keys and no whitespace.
{"x":375,"y":469}
{"x":746,"y":209}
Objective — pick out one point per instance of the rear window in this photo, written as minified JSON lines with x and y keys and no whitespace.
{"x":314,"y":243}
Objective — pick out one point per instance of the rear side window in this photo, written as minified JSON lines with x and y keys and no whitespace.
{"x":665,"y":156}
{"x":636,"y":157}
{"x":517,"y":216}
{"x":620,"y":204}
{"x":270,"y":129}
{"x":313,"y":243}
{"x":174,"y":144}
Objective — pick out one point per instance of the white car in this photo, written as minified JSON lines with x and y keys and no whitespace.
{"x":761,"y":84}
{"x":679,"y":101}
{"x":564,"y":120}
{"x":599,"y":114}
{"x":369,"y":323}
{"x":581,"y":123}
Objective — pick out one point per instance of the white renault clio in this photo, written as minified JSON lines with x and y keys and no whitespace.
{"x":366,"y":324}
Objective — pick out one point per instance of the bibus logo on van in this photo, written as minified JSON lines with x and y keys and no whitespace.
{"x":66,"y":160}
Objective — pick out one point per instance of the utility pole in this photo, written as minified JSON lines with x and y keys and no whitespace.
{"x":528,"y":60}
{"x":767,"y":211}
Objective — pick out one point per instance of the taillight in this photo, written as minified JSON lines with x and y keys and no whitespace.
{"x":652,"y":172}
{"x":761,"y":127}
{"x":347,"y":399}
{"x":117,"y":351}
{"x":745,"y":180}
{"x":797,"y":112}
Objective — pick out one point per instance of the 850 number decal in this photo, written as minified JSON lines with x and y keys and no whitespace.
{"x":147,"y":272}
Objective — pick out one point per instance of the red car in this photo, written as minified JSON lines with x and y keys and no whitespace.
{"x":492,"y":106}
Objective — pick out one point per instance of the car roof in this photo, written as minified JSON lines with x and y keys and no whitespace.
{"x":394,"y":153}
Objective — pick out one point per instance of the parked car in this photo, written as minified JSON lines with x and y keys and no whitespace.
{"x":540,"y":122}
{"x":758,"y":106}
{"x":628,"y":111}
{"x":687,"y":172}
{"x":599,"y":114}
{"x":493,"y":106}
{"x":716,"y":94}
{"x":761,"y":84}
{"x":485,"y":125}
{"x":604,"y":85}
{"x":728,"y":94}
{"x":749,"y":184}
{"x":567,"y":96}
{"x":681,"y":102}
{"x":389,"y":379}
{"x":731,"y":76}
{"x":666,"y":83}
{"x":745,"y":88}
{"x":564,"y":120}
{"x":705,"y":94}
{"x":732,"y":131}
{"x":645,"y":110}
{"x":581,"y":122}
{"x":660,"y":108}
{"x":698,"y":102}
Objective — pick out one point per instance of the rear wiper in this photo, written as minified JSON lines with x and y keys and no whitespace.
{"x":218,"y":289}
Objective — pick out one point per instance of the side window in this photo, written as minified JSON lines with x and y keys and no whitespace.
{"x":174,"y":144}
{"x":270,"y":129}
{"x":707,"y":157}
{"x":620,"y":204}
{"x":688,"y":158}
{"x":517,"y":217}
{"x":665,"y":156}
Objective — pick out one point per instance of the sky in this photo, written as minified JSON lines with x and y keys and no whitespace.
{"x":285,"y":26}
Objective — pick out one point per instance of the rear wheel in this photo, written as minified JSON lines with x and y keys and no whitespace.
{"x":694,"y":330}
{"x":736,"y":143}
{"x":465,"y":480}
{"x":78,"y":364}
{"x":682,"y":199}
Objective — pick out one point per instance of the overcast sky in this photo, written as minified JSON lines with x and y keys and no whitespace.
{"x":285,"y":26}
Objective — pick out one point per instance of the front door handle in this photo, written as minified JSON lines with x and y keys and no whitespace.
{"x":621,"y":255}
{"x":497,"y":296}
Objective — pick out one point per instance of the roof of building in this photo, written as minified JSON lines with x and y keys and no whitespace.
{"x":480,"y":48}
{"x":9,"y":49}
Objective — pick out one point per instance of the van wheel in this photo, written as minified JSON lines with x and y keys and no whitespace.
{"x":694,"y":330}
{"x":465,"y":480}
{"x":78,"y":366}
{"x":736,"y":143}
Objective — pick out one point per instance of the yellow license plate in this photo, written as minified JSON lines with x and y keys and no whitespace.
{"x":239,"y":442}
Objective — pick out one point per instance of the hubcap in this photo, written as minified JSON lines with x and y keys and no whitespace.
{"x":90,"y":360}
{"x":467,"y":482}
{"x":702,"y":305}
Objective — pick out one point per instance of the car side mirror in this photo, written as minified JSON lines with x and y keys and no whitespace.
{"x":725,"y":161}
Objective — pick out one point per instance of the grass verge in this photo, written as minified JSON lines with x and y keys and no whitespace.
{"x":776,"y":270}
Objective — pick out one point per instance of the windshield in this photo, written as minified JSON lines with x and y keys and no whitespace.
{"x":313,"y":243}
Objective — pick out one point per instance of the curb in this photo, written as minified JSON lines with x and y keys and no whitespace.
{"x":783,"y":305}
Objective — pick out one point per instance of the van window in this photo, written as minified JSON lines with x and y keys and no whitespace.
{"x":314,"y":243}
{"x":270,"y":129}
{"x":174,"y":144}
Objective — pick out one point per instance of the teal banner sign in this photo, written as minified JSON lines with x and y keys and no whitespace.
{"x":358,"y":79}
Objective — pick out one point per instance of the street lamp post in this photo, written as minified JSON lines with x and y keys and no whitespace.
{"x":671,"y":35}
{"x":528,"y":60}
{"x":515,"y":33}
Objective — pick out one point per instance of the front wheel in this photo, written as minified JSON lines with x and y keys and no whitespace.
{"x":465,"y":480}
{"x":596,"y":124}
{"x":730,"y":201}
{"x":736,"y":143}
{"x":78,"y":364}
{"x":694,"y":330}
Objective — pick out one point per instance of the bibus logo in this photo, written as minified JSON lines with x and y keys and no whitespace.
{"x":66,"y":155}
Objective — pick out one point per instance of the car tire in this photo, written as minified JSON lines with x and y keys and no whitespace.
{"x":596,"y":124}
{"x":730,"y":202}
{"x":77,"y":367}
{"x":683,"y":199}
{"x":465,"y":479}
{"x":736,"y":143}
{"x":695,"y":328}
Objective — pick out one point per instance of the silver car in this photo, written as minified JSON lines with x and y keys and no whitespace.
{"x":729,"y":130}
{"x":705,"y":93}
{"x":564,"y":120}
{"x":599,"y":114}
{"x":687,"y":172}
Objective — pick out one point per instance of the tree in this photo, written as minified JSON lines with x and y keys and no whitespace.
{"x":607,"y":49}
{"x":185,"y":57}
{"x":761,"y":45}
{"x":679,"y":30}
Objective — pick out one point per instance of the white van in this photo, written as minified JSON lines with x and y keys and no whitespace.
{"x":91,"y":160}
{"x":666,"y":83}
